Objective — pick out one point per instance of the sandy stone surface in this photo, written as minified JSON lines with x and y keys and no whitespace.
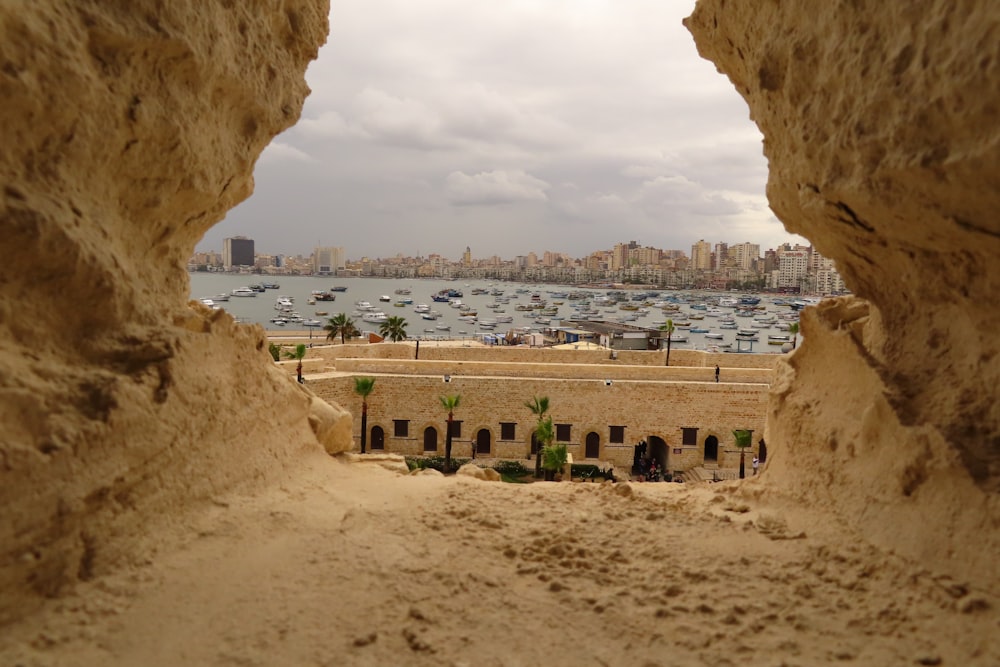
{"x":351,"y":564}
{"x":166,"y":495}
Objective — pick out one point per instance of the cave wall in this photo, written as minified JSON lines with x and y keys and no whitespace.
{"x":129,"y":129}
{"x":879,"y":124}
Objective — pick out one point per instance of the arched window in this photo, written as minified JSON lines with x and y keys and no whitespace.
{"x":711,"y":448}
{"x":430,"y":439}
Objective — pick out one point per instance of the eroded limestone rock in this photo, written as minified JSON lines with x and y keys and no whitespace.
{"x":130,"y":129}
{"x":879,"y":128}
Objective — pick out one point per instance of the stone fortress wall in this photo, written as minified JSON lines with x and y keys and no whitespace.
{"x":591,"y":394}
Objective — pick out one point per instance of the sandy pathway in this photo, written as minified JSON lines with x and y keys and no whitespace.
{"x":355,"y":566}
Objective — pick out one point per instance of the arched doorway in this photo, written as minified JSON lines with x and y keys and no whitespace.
{"x":711,"y":449}
{"x":483,"y":441}
{"x":378,"y":437}
{"x":658,"y":452}
{"x":592,"y":448}
{"x":430,"y":439}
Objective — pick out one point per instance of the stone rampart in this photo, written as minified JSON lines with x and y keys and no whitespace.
{"x":645,"y":409}
{"x":615,"y":371}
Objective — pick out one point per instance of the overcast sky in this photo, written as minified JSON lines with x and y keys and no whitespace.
{"x":509,"y":127}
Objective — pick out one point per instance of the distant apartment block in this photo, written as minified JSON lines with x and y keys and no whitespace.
{"x":327,"y":260}
{"x":237,"y":251}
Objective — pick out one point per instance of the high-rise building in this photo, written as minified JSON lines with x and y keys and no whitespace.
{"x":745,"y":254}
{"x":467,"y":257}
{"x":793,"y":267}
{"x":721,"y":256}
{"x":701,"y":255}
{"x":327,"y":260}
{"x":237,"y":251}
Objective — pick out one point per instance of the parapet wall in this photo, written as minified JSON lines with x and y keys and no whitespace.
{"x":617,"y":371}
{"x":432,"y":351}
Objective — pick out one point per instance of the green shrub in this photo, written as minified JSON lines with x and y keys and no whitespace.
{"x":511,"y":468}
{"x":274,"y":350}
{"x":435,"y":462}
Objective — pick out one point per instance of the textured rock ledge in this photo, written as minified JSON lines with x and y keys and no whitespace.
{"x":879,"y":128}
{"x":129,"y":130}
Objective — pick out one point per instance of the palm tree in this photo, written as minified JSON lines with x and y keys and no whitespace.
{"x":298,"y":354}
{"x":669,"y":328}
{"x":743,"y":440}
{"x":449,"y":403}
{"x":393,"y":328}
{"x":538,"y":406}
{"x":793,"y":329}
{"x":363,"y":387}
{"x":341,"y":325}
{"x":553,"y":456}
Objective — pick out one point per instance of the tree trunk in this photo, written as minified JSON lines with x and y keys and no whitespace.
{"x":447,"y":446}
{"x":668,"y":347}
{"x":364,"y":426}
{"x":742,"y":462}
{"x":298,"y":372}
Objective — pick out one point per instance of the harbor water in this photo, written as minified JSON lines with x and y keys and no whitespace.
{"x":494,"y":302}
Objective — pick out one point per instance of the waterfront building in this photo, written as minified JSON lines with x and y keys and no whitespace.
{"x":326,"y":260}
{"x":237,"y":251}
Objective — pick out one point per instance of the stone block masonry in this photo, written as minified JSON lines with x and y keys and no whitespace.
{"x":590,"y":407}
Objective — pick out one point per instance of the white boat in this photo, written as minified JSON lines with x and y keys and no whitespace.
{"x":443,"y":327}
{"x":221,"y":297}
{"x":385,"y":297}
{"x":311,"y":323}
{"x":283,"y":302}
{"x":376,"y":316}
{"x":716,"y":336}
{"x":364,"y":305}
{"x":421,"y":308}
{"x":243,"y":291}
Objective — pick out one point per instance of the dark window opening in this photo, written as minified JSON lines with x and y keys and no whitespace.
{"x":401,"y":428}
{"x":507,"y":430}
{"x":617,"y":434}
{"x":689,"y":437}
{"x":562,"y":432}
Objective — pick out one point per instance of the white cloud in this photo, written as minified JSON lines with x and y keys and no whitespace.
{"x":280,"y":152}
{"x":493,"y":187}
{"x":607,"y":101}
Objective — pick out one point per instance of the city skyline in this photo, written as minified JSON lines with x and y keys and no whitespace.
{"x":566,"y":125}
{"x":345,"y":256}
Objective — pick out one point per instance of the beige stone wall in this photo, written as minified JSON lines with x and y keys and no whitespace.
{"x":452,"y":351}
{"x":551,"y":370}
{"x":644,"y":408}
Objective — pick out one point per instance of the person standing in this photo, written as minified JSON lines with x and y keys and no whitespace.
{"x":716,"y":373}
{"x":756,"y":463}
